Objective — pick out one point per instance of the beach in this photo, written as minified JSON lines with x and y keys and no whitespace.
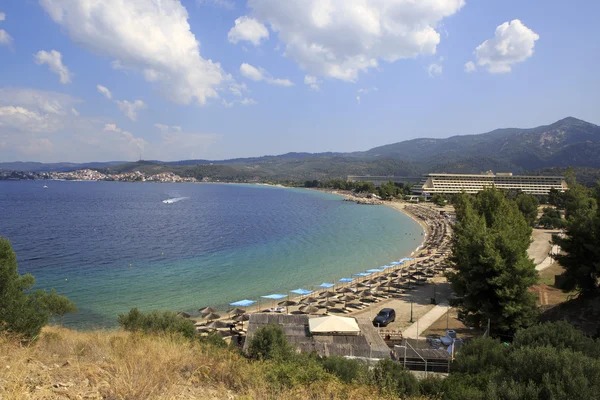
{"x":408,"y":287}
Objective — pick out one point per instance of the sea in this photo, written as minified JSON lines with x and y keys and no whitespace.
{"x":111,"y":246}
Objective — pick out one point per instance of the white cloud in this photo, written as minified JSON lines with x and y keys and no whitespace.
{"x":152,"y":37}
{"x":130,"y":109}
{"x":228,"y":4}
{"x":470,"y":67}
{"x":53,"y":59}
{"x":135,"y":146}
{"x":226,"y":104}
{"x":248,"y":29}
{"x":512,"y":43}
{"x":2,"y":16}
{"x":103,"y":90}
{"x":237,"y":88}
{"x":312,"y":82}
{"x":74,"y":112}
{"x":5,"y":38}
{"x":435,"y":70}
{"x":341,"y":38}
{"x":362,"y":91}
{"x":248,"y":102}
{"x":260,"y":74}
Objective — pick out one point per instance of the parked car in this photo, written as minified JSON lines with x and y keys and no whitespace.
{"x":385,"y":316}
{"x":449,"y":338}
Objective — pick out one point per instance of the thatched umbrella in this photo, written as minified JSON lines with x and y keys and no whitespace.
{"x":381,"y":279}
{"x":211,"y":316}
{"x":326,"y":294}
{"x":308,"y":300}
{"x":183,"y":314}
{"x":286,"y":304}
{"x":361,"y":285}
{"x":217,"y":325}
{"x":309,"y":309}
{"x":241,"y":318}
{"x":345,"y":290}
{"x":237,"y":311}
{"x":207,"y":310}
{"x":372,"y":282}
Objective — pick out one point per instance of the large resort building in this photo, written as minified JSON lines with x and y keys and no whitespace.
{"x":457,"y":183}
{"x":431,"y":184}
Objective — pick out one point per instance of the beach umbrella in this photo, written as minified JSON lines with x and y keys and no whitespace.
{"x":366,"y":293}
{"x":372,"y":282}
{"x":242,"y":303}
{"x":346,"y":280}
{"x":309,"y":309}
{"x":308,"y":300}
{"x":211,"y":316}
{"x":183,"y":314}
{"x":217,"y":325}
{"x":345,"y":290}
{"x":329,"y":304}
{"x":273,"y":297}
{"x":347,"y":298}
{"x":207,"y":310}
{"x":237,"y":311}
{"x":286,"y":304}
{"x":418,"y":273}
{"x":361,"y":285}
{"x":381,"y":279}
{"x":301,"y":292}
{"x":326,"y":285}
{"x":241,"y":318}
{"x":199,"y":324}
{"x":326,"y":294}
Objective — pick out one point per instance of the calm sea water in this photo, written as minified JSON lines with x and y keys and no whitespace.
{"x":111,"y":246}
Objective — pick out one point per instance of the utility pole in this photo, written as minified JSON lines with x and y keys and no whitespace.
{"x":447,"y":317}
{"x":411,"y":310}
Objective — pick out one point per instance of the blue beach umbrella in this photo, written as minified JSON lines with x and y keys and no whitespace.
{"x":397,"y":263}
{"x":301,"y":292}
{"x":326,"y":285}
{"x":346,"y":280}
{"x":275,"y":296}
{"x":362,"y":274}
{"x":373,"y":270}
{"x":242,"y":303}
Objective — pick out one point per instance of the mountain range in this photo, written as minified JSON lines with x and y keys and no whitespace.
{"x":544,"y":149}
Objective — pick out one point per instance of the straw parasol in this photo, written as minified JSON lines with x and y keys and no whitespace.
{"x":308,"y":300}
{"x":211,"y":316}
{"x":327,"y":293}
{"x":309,"y":309}
{"x":207,"y":310}
{"x":241,"y":318}
{"x":183,"y":314}
{"x":237,"y":311}
{"x":345,"y":290}
{"x":347,"y":298}
{"x":217,"y":325}
{"x":286,"y":304}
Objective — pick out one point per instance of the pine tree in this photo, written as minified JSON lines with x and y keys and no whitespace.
{"x":493,"y":270}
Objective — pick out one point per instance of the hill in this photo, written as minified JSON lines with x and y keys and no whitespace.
{"x":544,"y":150}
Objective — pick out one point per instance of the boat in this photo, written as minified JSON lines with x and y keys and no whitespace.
{"x":45,"y":187}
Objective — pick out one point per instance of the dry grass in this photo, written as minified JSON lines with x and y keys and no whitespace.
{"x":66,"y":364}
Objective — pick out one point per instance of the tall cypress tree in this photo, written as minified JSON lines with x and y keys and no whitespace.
{"x":493,"y":270}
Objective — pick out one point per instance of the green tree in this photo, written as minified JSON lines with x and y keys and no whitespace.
{"x":493,"y":270}
{"x":388,"y":189}
{"x":581,"y":243}
{"x":559,"y":335}
{"x":59,"y":305}
{"x":21,"y":311}
{"x":439,"y":199}
{"x":156,"y":322}
{"x":528,"y":205}
{"x":269,"y":342}
{"x":392,"y":378}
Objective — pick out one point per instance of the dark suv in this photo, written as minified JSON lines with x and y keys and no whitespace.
{"x":384,"y":317}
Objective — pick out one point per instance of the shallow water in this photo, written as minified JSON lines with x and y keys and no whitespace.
{"x":110,"y":246}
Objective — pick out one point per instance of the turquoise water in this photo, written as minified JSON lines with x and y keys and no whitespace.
{"x":111,"y":246}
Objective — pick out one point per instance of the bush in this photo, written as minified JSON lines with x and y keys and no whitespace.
{"x":269,"y":342}
{"x":432,"y":386}
{"x":156,"y":322}
{"x":392,"y":378}
{"x":482,"y":354}
{"x":559,"y":335}
{"x":298,"y":370}
{"x":21,"y":312}
{"x":346,"y":370}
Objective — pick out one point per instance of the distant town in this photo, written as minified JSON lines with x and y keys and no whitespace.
{"x":92,"y":175}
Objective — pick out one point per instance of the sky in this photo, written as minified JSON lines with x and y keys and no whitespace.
{"x":100,"y":80}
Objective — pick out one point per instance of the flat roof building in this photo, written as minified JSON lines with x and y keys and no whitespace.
{"x":473,"y":183}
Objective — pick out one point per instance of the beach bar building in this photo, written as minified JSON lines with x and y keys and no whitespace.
{"x":327,"y":336}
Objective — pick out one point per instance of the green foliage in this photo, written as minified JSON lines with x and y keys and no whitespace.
{"x":364,"y":187}
{"x":552,"y":219}
{"x":346,"y":370}
{"x":388,"y":190}
{"x":59,"y":305}
{"x":559,"y":335}
{"x":432,"y":386}
{"x":493,"y":270}
{"x":297,"y":370}
{"x":392,"y":378}
{"x":439,"y":199}
{"x":268,"y":343}
{"x":481,"y":355}
{"x":156,"y":322}
{"x":528,"y":205}
{"x":21,"y":312}
{"x":213,"y":339}
{"x":580,"y":245}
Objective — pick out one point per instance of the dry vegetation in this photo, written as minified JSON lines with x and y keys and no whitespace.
{"x":66,"y":364}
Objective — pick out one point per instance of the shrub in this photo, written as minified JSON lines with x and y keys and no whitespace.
{"x":21,"y":312}
{"x":432,"y":386}
{"x":346,"y":370}
{"x":156,"y":322}
{"x":482,"y":354}
{"x":299,"y":370}
{"x":392,"y":378}
{"x":269,"y":342}
{"x":560,"y":335}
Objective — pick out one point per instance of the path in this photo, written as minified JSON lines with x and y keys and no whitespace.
{"x":426,"y":321}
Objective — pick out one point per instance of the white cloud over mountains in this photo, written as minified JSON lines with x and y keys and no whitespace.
{"x":512,"y":43}
{"x":341,"y":38}
{"x":248,"y":29}
{"x":151,"y":37}
{"x":44,"y":126}
{"x":260,"y":74}
{"x":130,"y":109}
{"x":53,"y":59}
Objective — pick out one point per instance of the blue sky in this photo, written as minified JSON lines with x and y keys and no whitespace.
{"x":182,"y":79}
